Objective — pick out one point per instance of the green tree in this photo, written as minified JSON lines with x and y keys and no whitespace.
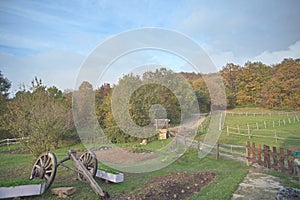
{"x":5,"y":85}
{"x":40,"y":116}
{"x":230,"y":74}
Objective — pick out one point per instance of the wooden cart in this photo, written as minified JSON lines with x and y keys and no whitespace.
{"x":86,"y":167}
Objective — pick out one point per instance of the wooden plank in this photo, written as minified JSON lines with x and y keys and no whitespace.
{"x":275,"y":160}
{"x":87,"y":175}
{"x":259,"y":161}
{"x":281,"y":160}
{"x":253,"y":153}
{"x":290,"y":161}
{"x":248,"y":152}
{"x":218,"y":151}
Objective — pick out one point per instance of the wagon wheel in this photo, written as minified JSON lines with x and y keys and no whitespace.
{"x":89,"y":160}
{"x":45,"y":168}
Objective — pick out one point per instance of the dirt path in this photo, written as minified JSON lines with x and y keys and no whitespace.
{"x":257,"y":185}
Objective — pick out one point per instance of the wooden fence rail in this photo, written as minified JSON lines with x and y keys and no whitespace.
{"x":282,"y":160}
{"x":249,"y":133}
{"x":261,"y":113}
{"x":10,"y":141}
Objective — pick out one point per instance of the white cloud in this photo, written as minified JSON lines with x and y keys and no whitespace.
{"x":58,"y":68}
{"x":274,"y":57}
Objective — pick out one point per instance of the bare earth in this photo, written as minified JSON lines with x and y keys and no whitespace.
{"x":173,"y":186}
{"x":122,"y":156}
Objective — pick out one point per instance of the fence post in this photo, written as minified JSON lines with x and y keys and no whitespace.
{"x":283,"y":122}
{"x":253,"y":153}
{"x":276,"y":139}
{"x":257,"y":126}
{"x":248,"y":152}
{"x":289,"y":120}
{"x":265,"y":124}
{"x":227,"y":131}
{"x":218,"y":153}
{"x":259,"y":154}
{"x":273,"y":123}
{"x":275,"y":160}
{"x":248,"y":131}
{"x":290,"y":161}
{"x":281,"y":160}
{"x":267,"y":159}
{"x":238,"y":128}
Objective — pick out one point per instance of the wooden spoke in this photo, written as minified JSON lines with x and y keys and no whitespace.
{"x":90,"y":161}
{"x":45,"y":168}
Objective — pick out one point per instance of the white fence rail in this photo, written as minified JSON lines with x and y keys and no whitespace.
{"x":10,"y":141}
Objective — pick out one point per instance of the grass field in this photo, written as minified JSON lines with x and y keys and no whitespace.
{"x":15,"y":166}
{"x":263,"y":127}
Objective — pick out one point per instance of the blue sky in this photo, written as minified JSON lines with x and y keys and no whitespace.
{"x":51,"y":39}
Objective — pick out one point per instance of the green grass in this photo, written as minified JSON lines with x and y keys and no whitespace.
{"x":17,"y":167}
{"x":20,"y":182}
{"x":229,"y":172}
{"x":287,"y":180}
{"x":290,"y":130}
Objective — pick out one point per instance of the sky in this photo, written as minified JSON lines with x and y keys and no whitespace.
{"x":52,"y":39}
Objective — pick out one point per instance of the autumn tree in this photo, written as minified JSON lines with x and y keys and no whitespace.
{"x":282,"y":90}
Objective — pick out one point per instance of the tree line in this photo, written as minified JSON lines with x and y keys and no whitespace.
{"x":257,"y":84}
{"x":44,"y":114}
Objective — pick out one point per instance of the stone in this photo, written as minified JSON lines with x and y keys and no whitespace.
{"x":63,"y":192}
{"x":288,"y":194}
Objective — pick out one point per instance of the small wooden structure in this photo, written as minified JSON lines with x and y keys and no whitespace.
{"x":163,"y":132}
{"x":161,"y":123}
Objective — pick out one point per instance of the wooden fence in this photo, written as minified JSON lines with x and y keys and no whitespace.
{"x":282,"y":160}
{"x":235,"y":152}
{"x":262,"y":113}
{"x":10,"y":141}
{"x":249,"y":133}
